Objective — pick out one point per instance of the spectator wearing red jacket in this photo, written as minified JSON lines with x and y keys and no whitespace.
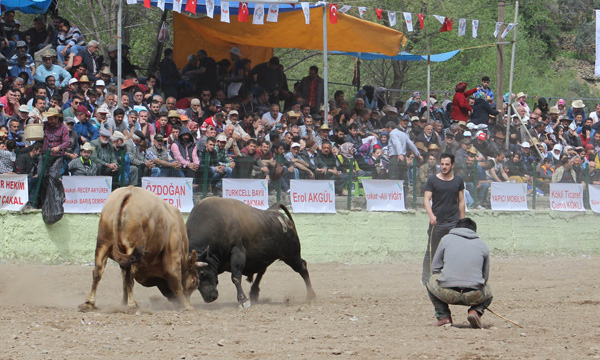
{"x":460,"y":105}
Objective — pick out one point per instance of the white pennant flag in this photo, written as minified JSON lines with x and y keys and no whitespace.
{"x":345,"y":9}
{"x":306,"y":10}
{"x":160,"y":4}
{"x":462,"y":26}
{"x":259,"y":14}
{"x":507,"y":30}
{"x":131,"y":2}
{"x":225,"y":11}
{"x":440,"y":18}
{"x":362,"y":11}
{"x":392,"y":18}
{"x":498,"y":25}
{"x":177,"y":6}
{"x":408,"y":19}
{"x":273,"y":13}
{"x":475,"y":28}
{"x":597,"y":66}
{"x":210,"y":8}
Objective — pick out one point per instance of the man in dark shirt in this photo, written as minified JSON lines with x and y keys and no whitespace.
{"x":327,"y":169}
{"x":444,"y":202}
{"x":169,"y":74}
{"x":269,"y":77}
{"x":26,"y":163}
{"x":37,"y":36}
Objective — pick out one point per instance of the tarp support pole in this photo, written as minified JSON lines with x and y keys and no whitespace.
{"x":325,"y":70}
{"x":512,"y":75}
{"x":119,"y":51}
{"x":428,"y":81}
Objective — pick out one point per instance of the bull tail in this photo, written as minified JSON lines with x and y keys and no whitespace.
{"x":120,"y":251}
{"x":280,"y":206}
{"x":127,"y":260}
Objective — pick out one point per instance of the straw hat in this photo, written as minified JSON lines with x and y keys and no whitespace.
{"x":51,"y":112}
{"x":87,"y":146}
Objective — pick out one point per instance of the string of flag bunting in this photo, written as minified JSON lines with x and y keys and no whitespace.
{"x":272,"y":14}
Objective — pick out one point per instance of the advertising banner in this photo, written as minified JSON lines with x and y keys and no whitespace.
{"x":86,"y":194}
{"x":174,"y":190}
{"x":509,"y":196}
{"x":384,"y":195}
{"x":312,"y":196}
{"x":253,"y":192}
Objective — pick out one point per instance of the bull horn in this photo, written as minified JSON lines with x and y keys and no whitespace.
{"x":200,"y":264}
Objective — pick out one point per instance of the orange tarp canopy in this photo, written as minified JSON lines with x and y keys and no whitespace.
{"x":257,"y":41}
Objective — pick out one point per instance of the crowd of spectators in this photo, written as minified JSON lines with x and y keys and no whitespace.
{"x":236,"y":119}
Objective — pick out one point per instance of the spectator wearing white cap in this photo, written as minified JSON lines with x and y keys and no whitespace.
{"x":299,"y":165}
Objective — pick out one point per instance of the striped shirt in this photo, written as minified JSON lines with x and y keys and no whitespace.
{"x":72,"y":37}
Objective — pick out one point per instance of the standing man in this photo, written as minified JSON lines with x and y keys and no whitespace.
{"x":461,"y":268}
{"x":399,"y":145}
{"x":444,"y":202}
{"x":311,"y":89}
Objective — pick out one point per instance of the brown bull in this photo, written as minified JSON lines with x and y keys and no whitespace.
{"x":148,"y":239}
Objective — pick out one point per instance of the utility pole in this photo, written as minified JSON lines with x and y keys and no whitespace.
{"x":500,"y":61}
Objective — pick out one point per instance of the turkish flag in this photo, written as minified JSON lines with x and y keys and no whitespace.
{"x":421,"y":20}
{"x":243,"y":12}
{"x":147,"y":4}
{"x":191,"y":6}
{"x":447,"y":26}
{"x":379,"y":12}
{"x":333,"y":13}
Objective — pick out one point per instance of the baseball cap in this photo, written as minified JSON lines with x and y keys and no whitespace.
{"x":525,"y":145}
{"x":295,"y":145}
{"x":159,"y":137}
{"x":24,"y":108}
{"x":481,"y":135}
{"x":83,"y":109}
{"x":117,"y":135}
{"x":100,"y":83}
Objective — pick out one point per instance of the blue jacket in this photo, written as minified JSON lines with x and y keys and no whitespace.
{"x":87,"y":130}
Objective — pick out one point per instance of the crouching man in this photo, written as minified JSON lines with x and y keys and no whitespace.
{"x":460,"y":272}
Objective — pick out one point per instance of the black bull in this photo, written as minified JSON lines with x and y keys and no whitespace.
{"x":234,"y":237}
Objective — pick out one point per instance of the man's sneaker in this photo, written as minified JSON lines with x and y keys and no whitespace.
{"x":479,"y":207}
{"x":445,"y":322}
{"x":474,"y":319}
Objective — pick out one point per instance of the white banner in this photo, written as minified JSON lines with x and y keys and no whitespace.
{"x":497,"y":30}
{"x":566,"y":197}
{"x":86,"y":194}
{"x":14,"y":192}
{"x":361,"y":11}
{"x":384,"y":195}
{"x":475,"y":24}
{"x":509,"y":27}
{"x":273,"y":13}
{"x":345,"y":8}
{"x":392,"y":18}
{"x":509,"y":196}
{"x":177,"y":6}
{"x":253,"y":192}
{"x":131,"y":2}
{"x":462,"y":27}
{"x":175,"y":191}
{"x":259,"y":14}
{"x":306,"y":10}
{"x":210,"y":8}
{"x":595,"y":198}
{"x":597,"y":72}
{"x":225,"y":11}
{"x":312,"y":196}
{"x":408,"y":19}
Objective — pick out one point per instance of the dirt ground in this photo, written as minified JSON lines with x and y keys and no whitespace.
{"x":361,"y":312}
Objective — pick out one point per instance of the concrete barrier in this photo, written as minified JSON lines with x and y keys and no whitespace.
{"x":354,"y":237}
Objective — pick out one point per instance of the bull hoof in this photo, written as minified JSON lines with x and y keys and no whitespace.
{"x":245,"y":305}
{"x":86,"y":306}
